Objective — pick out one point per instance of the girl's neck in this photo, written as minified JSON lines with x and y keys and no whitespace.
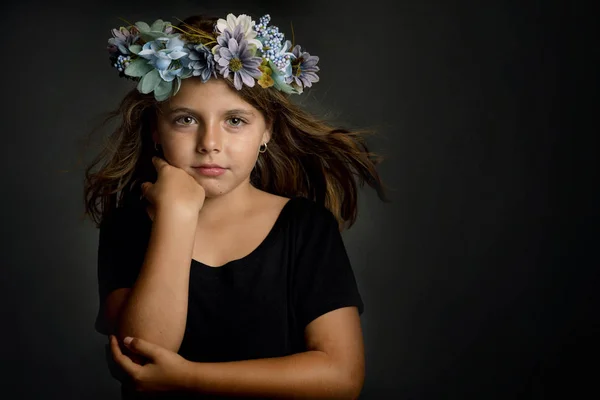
{"x":233,"y":204}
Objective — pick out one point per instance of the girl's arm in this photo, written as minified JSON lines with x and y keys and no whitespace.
{"x":156,"y":307}
{"x":332,"y":368}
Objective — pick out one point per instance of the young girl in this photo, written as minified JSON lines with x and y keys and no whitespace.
{"x":220,"y":204}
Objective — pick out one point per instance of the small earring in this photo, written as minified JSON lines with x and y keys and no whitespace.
{"x":262,"y":151}
{"x":155,"y":147}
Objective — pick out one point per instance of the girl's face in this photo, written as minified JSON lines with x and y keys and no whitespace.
{"x":208,"y":123}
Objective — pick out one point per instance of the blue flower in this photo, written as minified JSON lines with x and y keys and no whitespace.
{"x":122,"y":62}
{"x":237,"y":59}
{"x":304,"y":69}
{"x":281,"y":57}
{"x":163,"y":54}
{"x":200,"y":61}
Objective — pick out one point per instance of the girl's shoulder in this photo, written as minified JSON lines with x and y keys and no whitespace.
{"x":309,"y":215}
{"x":307,"y":207}
{"x":299,"y":213}
{"x":127,"y":219}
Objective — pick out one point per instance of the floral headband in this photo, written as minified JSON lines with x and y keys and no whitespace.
{"x":160,"y":55}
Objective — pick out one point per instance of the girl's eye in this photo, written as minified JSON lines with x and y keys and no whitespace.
{"x":185,"y":120}
{"x":234,"y":121}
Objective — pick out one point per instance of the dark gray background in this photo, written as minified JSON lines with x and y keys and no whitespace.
{"x":478,"y":277}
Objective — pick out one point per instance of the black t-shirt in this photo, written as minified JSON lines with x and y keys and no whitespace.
{"x":253,"y":307}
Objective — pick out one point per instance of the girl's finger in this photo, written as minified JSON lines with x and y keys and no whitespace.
{"x":145,"y":186}
{"x":125,"y":362}
{"x":158,"y":162}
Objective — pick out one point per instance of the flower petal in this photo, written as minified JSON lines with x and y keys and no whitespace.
{"x":225,"y":71}
{"x":243,"y":50}
{"x":175,"y":42}
{"x":247,"y":79}
{"x":225,"y":53}
{"x":237,"y":81}
{"x":251,"y":63}
{"x":145,"y":52}
{"x":118,"y":34}
{"x":221,"y":25}
{"x":311,"y":62}
{"x":223,"y":62}
{"x":231,"y":20}
{"x":176,"y":55}
{"x":233,"y":46}
{"x":255,"y":42}
{"x":205,"y":75}
{"x":166,"y":75}
{"x":162,"y":63}
{"x":311,"y":75}
{"x":238,"y":33}
{"x":222,"y":40}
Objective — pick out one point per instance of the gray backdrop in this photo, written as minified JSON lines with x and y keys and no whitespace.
{"x":477,"y":278}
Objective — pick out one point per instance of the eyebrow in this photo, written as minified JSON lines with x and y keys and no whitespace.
{"x":235,"y":111}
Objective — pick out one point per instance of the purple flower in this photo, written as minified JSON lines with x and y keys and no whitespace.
{"x":121,"y":40}
{"x":200,"y":61}
{"x":223,"y":40}
{"x":304,"y":68}
{"x":237,"y":59}
{"x":246,"y":25}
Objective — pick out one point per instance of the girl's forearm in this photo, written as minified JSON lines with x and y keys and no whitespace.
{"x":156,"y":308}
{"x":311,"y":374}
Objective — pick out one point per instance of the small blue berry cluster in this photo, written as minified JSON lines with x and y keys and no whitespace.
{"x":122,"y":62}
{"x":272,"y":41}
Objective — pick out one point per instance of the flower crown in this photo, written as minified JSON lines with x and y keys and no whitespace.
{"x":161,"y":54}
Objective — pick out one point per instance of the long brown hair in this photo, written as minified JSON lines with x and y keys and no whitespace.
{"x":306,"y":156}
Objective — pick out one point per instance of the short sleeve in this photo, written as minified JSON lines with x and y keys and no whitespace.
{"x":122,"y":241}
{"x":324,"y":279}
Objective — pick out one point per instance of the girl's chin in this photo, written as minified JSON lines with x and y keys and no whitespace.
{"x":215,"y":189}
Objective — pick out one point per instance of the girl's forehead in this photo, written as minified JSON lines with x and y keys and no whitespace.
{"x":215,"y":89}
{"x":212,"y":95}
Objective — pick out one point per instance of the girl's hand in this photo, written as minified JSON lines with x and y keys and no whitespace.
{"x":174,"y":189}
{"x":164,"y":371}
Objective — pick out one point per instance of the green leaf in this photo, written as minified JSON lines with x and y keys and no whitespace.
{"x":142,"y":26}
{"x":176,"y":85}
{"x":138,"y":67}
{"x":149,"y":82}
{"x":252,"y":49}
{"x":279,"y":80}
{"x":186,"y":73}
{"x":153,"y":35}
{"x":135,"y":48}
{"x":162,"y":97}
{"x":158,"y":25}
{"x":163,"y":90}
{"x":139,"y":85}
{"x":148,"y":36}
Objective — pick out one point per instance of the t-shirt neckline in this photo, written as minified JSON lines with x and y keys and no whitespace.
{"x":258,"y":249}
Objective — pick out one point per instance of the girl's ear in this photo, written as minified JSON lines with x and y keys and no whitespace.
{"x":266,"y":136}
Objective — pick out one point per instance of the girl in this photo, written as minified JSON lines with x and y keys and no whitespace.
{"x":221,"y":266}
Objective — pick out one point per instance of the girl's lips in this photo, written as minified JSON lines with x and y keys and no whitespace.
{"x":210,"y":171}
